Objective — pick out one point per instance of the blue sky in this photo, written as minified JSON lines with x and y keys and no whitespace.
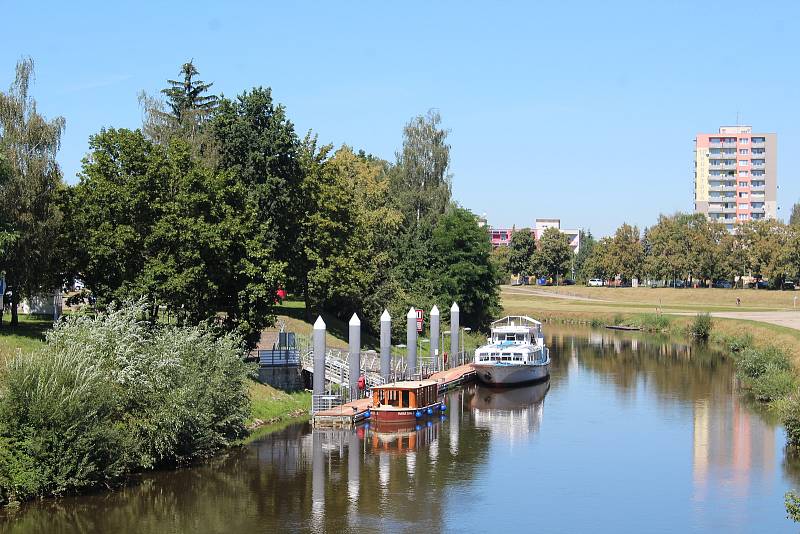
{"x":580,"y":110}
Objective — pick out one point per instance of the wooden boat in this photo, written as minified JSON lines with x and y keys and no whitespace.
{"x":402,"y":402}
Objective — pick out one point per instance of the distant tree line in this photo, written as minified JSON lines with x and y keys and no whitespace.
{"x":216,"y":203}
{"x":694,"y":249}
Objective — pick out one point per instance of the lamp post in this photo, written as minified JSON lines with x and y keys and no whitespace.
{"x":444,"y":333}
{"x":464,"y":331}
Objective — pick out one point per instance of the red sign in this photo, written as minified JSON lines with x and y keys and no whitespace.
{"x":420,"y":319}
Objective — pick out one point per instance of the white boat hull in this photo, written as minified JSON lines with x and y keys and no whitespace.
{"x":503,"y":374}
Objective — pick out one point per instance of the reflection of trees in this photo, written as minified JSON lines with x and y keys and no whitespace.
{"x":691,"y":372}
{"x":269,"y":485}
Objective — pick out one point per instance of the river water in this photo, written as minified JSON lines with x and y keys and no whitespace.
{"x":632,"y":433}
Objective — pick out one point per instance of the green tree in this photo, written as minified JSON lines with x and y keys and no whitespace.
{"x":29,"y":194}
{"x":256,"y":142}
{"x":154,"y":223}
{"x":766,"y":243}
{"x":523,"y":250}
{"x":626,"y":255}
{"x":420,"y":187}
{"x":587,"y":244}
{"x":554,"y":253}
{"x":794,"y":218}
{"x":599,"y":263}
{"x":463,"y":271}
{"x":500,"y":257}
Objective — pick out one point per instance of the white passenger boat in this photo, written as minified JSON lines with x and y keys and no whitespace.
{"x":515,"y":354}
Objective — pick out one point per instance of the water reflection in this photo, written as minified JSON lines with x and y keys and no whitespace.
{"x":624,"y":412}
{"x":512,"y":414}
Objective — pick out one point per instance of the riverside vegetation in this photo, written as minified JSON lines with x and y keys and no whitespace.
{"x":111,"y":395}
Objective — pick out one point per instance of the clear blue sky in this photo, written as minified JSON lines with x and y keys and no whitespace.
{"x":580,"y":110}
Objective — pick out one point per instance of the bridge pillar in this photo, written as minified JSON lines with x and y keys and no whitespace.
{"x":319,"y":357}
{"x":411,"y":342}
{"x":386,"y":345}
{"x":454,"y":326}
{"x":354,"y":356}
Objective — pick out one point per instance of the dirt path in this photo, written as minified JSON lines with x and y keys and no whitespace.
{"x":519,"y":290}
{"x":790,"y":319}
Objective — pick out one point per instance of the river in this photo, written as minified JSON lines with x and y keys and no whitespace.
{"x":632,"y":433}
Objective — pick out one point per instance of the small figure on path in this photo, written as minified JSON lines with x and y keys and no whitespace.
{"x":738,"y":301}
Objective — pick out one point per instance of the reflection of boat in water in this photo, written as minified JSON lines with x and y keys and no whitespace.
{"x":400,"y":437}
{"x":515,"y":355}
{"x":510,"y":411}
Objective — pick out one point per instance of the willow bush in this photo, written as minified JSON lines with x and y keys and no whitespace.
{"x":111,"y":395}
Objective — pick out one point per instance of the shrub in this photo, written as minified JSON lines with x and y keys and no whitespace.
{"x":109,"y":395}
{"x":752,"y":363}
{"x":701,"y":326}
{"x":792,"y":503}
{"x":738,"y":344}
{"x":773,"y":384}
{"x":654,"y":323}
{"x":597,"y":323}
{"x":791,"y":421}
{"x":618,"y":319}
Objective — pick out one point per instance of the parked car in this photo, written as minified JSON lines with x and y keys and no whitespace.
{"x":595,"y":282}
{"x":762,"y":284}
{"x":568,"y":282}
{"x":788,"y":285}
{"x":722,"y":284}
{"x":676,"y":283}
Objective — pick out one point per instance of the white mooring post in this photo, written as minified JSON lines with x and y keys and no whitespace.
{"x":434,"y":337}
{"x":354,"y":356}
{"x":319,"y":357}
{"x":411,"y":342}
{"x":386,"y":345}
{"x":454,"y":326}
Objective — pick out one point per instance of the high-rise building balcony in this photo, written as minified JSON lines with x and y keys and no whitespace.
{"x":758,"y":163}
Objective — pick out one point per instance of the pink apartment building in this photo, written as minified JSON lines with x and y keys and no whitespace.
{"x":501,"y":237}
{"x":736,"y":175}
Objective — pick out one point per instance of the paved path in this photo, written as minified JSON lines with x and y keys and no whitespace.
{"x":520,"y":290}
{"x":788,"y":318}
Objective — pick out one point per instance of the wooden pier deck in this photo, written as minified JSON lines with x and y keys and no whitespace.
{"x":353,"y":412}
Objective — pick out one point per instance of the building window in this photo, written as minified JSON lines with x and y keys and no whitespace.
{"x":758,"y":139}
{"x":742,"y":216}
{"x":744,"y":140}
{"x":744,"y":173}
{"x":742,"y":184}
{"x":743,"y":194}
{"x":744,"y":163}
{"x":743,"y":151}
{"x":744,"y":206}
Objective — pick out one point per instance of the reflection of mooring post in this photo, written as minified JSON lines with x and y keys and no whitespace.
{"x":317,"y":480}
{"x":454,"y":325}
{"x":353,"y":466}
{"x":386,"y":345}
{"x":354,"y":358}
{"x":411,"y":342}
{"x":319,"y":356}
{"x":434,"y":337}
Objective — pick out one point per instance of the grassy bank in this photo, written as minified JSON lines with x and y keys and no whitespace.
{"x":26,"y":337}
{"x":269,"y":406}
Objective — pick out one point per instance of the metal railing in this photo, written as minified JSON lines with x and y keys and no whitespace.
{"x":279,"y":358}
{"x":321,"y":403}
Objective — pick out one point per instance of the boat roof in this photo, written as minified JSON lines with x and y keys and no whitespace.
{"x":407,"y":384}
{"x":515,"y":321}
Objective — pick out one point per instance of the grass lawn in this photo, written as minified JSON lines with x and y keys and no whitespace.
{"x":677,"y":299}
{"x":270,"y":405}
{"x":27,"y":336}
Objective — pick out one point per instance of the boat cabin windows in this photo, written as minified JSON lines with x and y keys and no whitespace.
{"x":405,"y":397}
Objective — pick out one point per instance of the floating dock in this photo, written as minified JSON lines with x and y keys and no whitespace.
{"x":354,"y":412}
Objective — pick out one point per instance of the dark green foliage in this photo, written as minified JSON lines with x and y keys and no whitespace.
{"x":109,"y":396}
{"x":523,"y":251}
{"x":794,"y":218}
{"x":149,"y":221}
{"x":701,"y":326}
{"x":652,"y":322}
{"x":463,"y":271}
{"x":588,"y":243}
{"x":553,"y":254}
